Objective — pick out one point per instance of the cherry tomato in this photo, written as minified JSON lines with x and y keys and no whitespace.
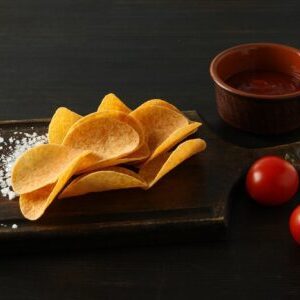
{"x":295,"y":224}
{"x":272,"y":180}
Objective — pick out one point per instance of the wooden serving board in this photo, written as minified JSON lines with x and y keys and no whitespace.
{"x":190,"y":203}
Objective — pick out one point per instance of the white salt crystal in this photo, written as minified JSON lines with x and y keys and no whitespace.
{"x":15,"y":149}
{"x":11,"y":195}
{"x":5,"y":191}
{"x":14,"y":226}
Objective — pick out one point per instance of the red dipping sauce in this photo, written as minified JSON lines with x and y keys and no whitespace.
{"x":264,"y":82}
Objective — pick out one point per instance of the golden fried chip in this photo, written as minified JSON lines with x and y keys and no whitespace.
{"x":140,"y":154}
{"x":117,"y":115}
{"x":40,"y":166}
{"x":94,"y":145}
{"x":154,"y":170}
{"x":136,"y":157}
{"x":176,"y":137}
{"x":34,"y":204}
{"x":61,"y":122}
{"x":104,"y":180}
{"x":163,"y":103}
{"x":108,"y":134}
{"x":159,"y":123}
{"x":112,"y":102}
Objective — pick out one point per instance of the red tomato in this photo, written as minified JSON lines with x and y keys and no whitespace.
{"x":295,"y":224}
{"x":272,"y":180}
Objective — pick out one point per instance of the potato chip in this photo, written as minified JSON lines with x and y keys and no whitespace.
{"x":134,"y":158}
{"x":113,"y":114}
{"x":104,"y":180}
{"x":34,"y":204}
{"x":159,"y":122}
{"x":40,"y":166}
{"x":112,"y":102}
{"x":176,"y":137}
{"x":161,"y":165}
{"x":140,"y":154}
{"x":118,"y":115}
{"x":163,"y":103}
{"x":137,"y":156}
{"x":95,"y":145}
{"x":61,"y":122}
{"x":108,"y":134}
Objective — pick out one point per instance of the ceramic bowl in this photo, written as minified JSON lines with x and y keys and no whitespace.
{"x":261,"y":114}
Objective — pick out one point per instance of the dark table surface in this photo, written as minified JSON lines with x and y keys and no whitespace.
{"x":71,"y":53}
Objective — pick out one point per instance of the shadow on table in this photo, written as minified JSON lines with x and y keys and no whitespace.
{"x":250,"y":140}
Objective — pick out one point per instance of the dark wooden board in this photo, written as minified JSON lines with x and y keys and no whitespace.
{"x":190,"y":203}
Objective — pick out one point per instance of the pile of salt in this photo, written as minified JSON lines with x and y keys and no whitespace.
{"x":15,"y":146}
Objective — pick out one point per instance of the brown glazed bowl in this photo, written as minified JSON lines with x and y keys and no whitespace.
{"x":261,"y":114}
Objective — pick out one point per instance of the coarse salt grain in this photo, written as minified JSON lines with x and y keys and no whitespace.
{"x":14,"y":226}
{"x":18,"y":145}
{"x":11,"y":195}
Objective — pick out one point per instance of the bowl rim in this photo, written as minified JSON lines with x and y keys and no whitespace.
{"x":220,"y":82}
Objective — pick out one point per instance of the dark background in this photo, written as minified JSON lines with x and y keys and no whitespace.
{"x":71,"y":53}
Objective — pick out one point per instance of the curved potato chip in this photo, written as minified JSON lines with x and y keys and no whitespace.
{"x":60,"y":123}
{"x":104,"y":180}
{"x":40,"y":166}
{"x":136,"y":157}
{"x":163,"y":103}
{"x":175,"y":138}
{"x":34,"y":204}
{"x":154,"y":170}
{"x":108,"y":134}
{"x":112,"y":136}
{"x":118,"y":115}
{"x":159,"y":122}
{"x":112,"y":102}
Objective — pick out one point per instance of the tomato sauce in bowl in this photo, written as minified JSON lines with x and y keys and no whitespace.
{"x":264,"y":82}
{"x":257,"y":87}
